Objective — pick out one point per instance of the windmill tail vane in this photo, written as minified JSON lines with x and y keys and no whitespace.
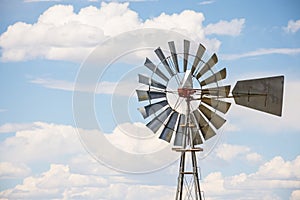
{"x":187,"y":104}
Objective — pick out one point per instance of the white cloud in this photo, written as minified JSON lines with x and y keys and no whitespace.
{"x":123,"y":88}
{"x":261,"y":52}
{"x":292,"y":26}
{"x":13,"y":170}
{"x":276,"y":173}
{"x":271,"y":176}
{"x":44,"y":142}
{"x":126,"y":137}
{"x":14,"y":127}
{"x":53,"y":184}
{"x":233,"y":27}
{"x":3,"y":110}
{"x":227,"y":151}
{"x":206,"y":2}
{"x":295,"y":195}
{"x":230,"y":152}
{"x":60,"y":182}
{"x":254,"y":157}
{"x":80,"y":176}
{"x":58,"y":143}
{"x":30,"y":1}
{"x":278,"y":168}
{"x":62,"y":34}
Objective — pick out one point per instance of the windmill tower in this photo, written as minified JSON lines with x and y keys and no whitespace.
{"x":187,"y":103}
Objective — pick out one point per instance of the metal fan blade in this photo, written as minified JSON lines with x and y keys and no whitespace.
{"x":149,"y":64}
{"x":162,"y":58}
{"x":187,"y":81}
{"x":265,"y":94}
{"x":157,"y":122}
{"x":221,"y":106}
{"x":222,"y":91}
{"x":199,"y":54}
{"x":196,"y":136}
{"x":216,"y":120}
{"x":208,"y":65}
{"x":169,"y":128}
{"x":204,"y":126}
{"x":215,"y":77}
{"x":179,"y":136}
{"x":186,"y":49}
{"x":147,"y":95}
{"x":174,"y":54}
{"x":148,"y":81}
{"x":152,"y":108}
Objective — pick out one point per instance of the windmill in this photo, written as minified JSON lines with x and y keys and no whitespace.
{"x":187,"y":104}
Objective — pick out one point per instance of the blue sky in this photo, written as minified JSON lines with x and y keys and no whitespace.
{"x":46,"y":46}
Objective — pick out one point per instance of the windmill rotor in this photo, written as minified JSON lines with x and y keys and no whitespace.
{"x":186,"y":103}
{"x":176,"y":80}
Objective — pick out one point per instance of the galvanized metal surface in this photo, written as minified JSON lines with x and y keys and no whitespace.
{"x":264,"y":94}
{"x":198,"y":57}
{"x":207,"y":66}
{"x":150,"y":82}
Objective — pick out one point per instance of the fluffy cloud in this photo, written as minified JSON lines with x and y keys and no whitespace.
{"x":278,"y":168}
{"x":59,"y":143}
{"x":274,"y":174}
{"x":44,"y":142}
{"x":62,"y":34}
{"x":234,"y":27}
{"x":228,"y":152}
{"x":60,"y":182}
{"x":14,"y":127}
{"x":295,"y":195}
{"x":80,"y":176}
{"x":13,"y":170}
{"x":53,"y":184}
{"x":293,"y":26}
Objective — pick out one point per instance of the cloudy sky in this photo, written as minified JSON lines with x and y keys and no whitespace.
{"x":68,"y":112}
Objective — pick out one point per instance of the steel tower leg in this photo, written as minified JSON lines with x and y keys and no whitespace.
{"x":180,"y":177}
{"x":195,"y":176}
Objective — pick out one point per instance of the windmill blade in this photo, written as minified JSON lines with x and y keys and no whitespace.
{"x":196,"y":136}
{"x":215,"y":77}
{"x":264,"y":94}
{"x":219,"y":105}
{"x":216,"y":120}
{"x":199,"y":54}
{"x":162,"y":58}
{"x":174,"y":54}
{"x":152,"y":108}
{"x":148,"y":95}
{"x":148,"y":81}
{"x":222,"y":91}
{"x":149,"y":64}
{"x":208,"y":65}
{"x":204,"y":126}
{"x":169,"y":128}
{"x":179,"y":136}
{"x":186,"y":49}
{"x":157,"y":122}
